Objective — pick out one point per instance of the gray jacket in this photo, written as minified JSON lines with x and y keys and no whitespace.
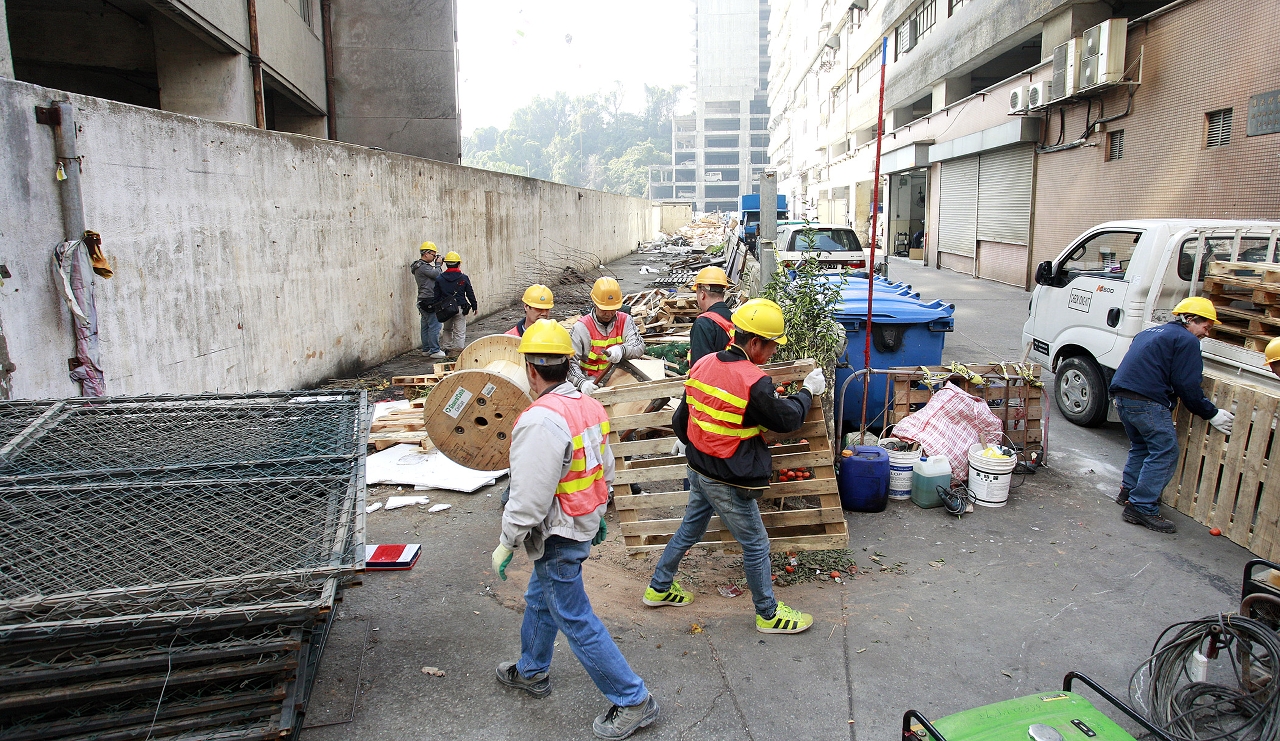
{"x":425,"y":273}
{"x":541,"y":451}
{"x":632,"y":342}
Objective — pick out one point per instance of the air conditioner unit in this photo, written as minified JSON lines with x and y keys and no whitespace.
{"x":1018,"y":100}
{"x":1066,"y":65}
{"x":1037,"y":95}
{"x":1102,"y":53}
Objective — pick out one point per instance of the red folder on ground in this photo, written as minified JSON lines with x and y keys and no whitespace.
{"x":391,"y":557}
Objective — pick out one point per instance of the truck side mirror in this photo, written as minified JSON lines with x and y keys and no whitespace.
{"x":1044,"y":273}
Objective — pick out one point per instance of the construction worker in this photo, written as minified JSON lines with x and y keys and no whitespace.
{"x":712,"y":331}
{"x":1163,"y":364}
{"x":454,"y":299}
{"x":1273,"y":356}
{"x":561,"y":467}
{"x":603,"y":337}
{"x":728,"y":403}
{"x":538,"y":302}
{"x":425,"y":271}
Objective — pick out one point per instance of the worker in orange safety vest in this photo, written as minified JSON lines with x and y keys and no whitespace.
{"x":712,"y":331}
{"x":603,"y":337}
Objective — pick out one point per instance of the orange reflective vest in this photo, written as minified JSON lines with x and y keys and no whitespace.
{"x":716,"y":394}
{"x":583,"y":488}
{"x":597,"y":362}
{"x":516,"y":331}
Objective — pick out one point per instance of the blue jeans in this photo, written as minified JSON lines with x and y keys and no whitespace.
{"x":557,"y":601}
{"x":742,"y":516}
{"x":430,"y":329}
{"x":1153,"y":452}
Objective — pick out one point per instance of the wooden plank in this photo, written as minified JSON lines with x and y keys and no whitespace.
{"x":1242,"y":402}
{"x":668,"y":388}
{"x":1214,"y":447}
{"x":644,"y":447}
{"x":777,"y":490}
{"x":634,"y":421}
{"x":776,"y":545}
{"x":785,"y":518}
{"x":1260,"y":434}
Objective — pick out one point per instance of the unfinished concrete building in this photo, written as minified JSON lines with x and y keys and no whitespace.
{"x":380,"y":74}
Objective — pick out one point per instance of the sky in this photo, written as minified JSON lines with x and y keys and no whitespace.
{"x":512,"y":50}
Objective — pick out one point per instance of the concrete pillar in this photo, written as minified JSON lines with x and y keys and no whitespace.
{"x":199,"y":81}
{"x":1071,"y":22}
{"x":769,"y":205}
{"x":897,"y":117}
{"x":950,"y":90}
{"x":6,"y":54}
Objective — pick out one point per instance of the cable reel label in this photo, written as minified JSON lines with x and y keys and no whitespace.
{"x":488,"y":389}
{"x":457,"y":402}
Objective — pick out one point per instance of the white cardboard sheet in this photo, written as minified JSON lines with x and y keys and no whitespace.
{"x":408,"y":465}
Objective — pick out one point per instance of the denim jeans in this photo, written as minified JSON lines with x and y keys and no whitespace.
{"x":557,"y":601}
{"x":430,"y":329}
{"x":742,"y":516}
{"x":1153,"y":452}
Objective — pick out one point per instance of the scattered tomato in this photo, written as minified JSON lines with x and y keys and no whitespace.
{"x":1215,"y":531}
{"x":782,"y":389}
{"x":835,"y":574}
{"x":790,"y":569}
{"x":773,"y":577}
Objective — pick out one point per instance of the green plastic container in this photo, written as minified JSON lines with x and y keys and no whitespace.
{"x":1009,"y":720}
{"x":927,"y":475}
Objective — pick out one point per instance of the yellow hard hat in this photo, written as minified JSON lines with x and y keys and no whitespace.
{"x":546,"y":337}
{"x":539,"y":297}
{"x":762,"y":317}
{"x":606,"y":294}
{"x":1273,"y":351}
{"x":1197,"y":305}
{"x":453,"y":257}
{"x":428,"y":245}
{"x":711,"y":276}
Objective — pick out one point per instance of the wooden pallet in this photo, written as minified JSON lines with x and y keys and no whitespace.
{"x":401,"y":427}
{"x":439,"y":370}
{"x":640,"y":421}
{"x":1232,"y":483}
{"x":1255,"y":285}
{"x":1018,"y":404}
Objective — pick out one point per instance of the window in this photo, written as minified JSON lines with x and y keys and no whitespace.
{"x":759,"y":124}
{"x":722,"y":107}
{"x":724,"y":206}
{"x":1104,"y":255}
{"x":954,"y":5}
{"x":722,"y":158}
{"x":1115,"y":145}
{"x":722,"y":142}
{"x":722,"y":124}
{"x":304,"y":10}
{"x":916,"y":24}
{"x":760,"y":105}
{"x":685,"y":176}
{"x":1216,"y":249}
{"x":1218,"y":128}
{"x":720,"y":191}
{"x":759,"y":158}
{"x":759,"y":140}
{"x":825,"y":240}
{"x":722,"y":174}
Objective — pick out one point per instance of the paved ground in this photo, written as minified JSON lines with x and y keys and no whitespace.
{"x":955,"y":613}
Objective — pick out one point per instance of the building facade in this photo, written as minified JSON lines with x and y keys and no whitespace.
{"x":719,"y":151}
{"x":990,"y":186}
{"x":381,"y":74}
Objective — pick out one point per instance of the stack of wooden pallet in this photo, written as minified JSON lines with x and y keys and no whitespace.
{"x":401,"y":427}
{"x":801,"y":512}
{"x":424,"y":383}
{"x":1247,"y":298}
{"x":1012,"y":392}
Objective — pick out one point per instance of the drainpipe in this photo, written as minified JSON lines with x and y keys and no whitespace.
{"x":330,"y":101}
{"x":255,"y":68}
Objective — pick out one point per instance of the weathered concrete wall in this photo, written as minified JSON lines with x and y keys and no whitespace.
{"x":247,"y":259}
{"x":6,"y":54}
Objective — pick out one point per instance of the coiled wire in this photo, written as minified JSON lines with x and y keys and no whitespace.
{"x":1203,"y":711}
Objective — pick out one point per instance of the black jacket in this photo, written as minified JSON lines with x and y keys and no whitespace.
{"x":751,"y":466}
{"x":455,"y":283}
{"x":706,"y":337}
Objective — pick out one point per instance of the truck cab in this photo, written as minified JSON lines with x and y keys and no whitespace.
{"x":749,"y":218}
{"x":1122,"y":277}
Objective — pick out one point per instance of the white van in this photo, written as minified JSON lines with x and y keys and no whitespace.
{"x":1122,"y":277}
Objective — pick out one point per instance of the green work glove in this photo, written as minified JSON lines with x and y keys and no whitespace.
{"x":501,"y":557}
{"x":601,"y":534}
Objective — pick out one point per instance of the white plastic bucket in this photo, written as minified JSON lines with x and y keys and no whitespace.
{"x":900,"y":471}
{"x":989,"y":477}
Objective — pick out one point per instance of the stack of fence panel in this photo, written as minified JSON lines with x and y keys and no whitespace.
{"x":169,"y":565}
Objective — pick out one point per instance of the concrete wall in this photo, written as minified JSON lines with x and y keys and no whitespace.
{"x":6,"y":54}
{"x":247,"y":259}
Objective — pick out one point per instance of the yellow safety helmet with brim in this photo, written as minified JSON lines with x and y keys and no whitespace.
{"x":539,"y":297}
{"x":427,"y":246}
{"x":711,"y":276}
{"x":546,"y":337}
{"x":761,"y":317}
{"x":1197,"y":306}
{"x":452,"y":257}
{"x":606,"y":294}
{"x":1272,"y":352}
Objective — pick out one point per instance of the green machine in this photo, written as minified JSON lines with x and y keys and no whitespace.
{"x":1047,"y":716}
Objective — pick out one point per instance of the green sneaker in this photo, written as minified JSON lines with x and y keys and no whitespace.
{"x":675,"y":596}
{"x":785,"y":620}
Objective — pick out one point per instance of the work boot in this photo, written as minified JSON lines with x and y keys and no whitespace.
{"x":1122,"y":498}
{"x":1151,"y":522}
{"x":539,"y":685}
{"x":618,"y":722}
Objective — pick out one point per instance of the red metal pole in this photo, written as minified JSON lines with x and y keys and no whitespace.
{"x":871,"y":261}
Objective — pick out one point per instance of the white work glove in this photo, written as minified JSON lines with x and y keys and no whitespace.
{"x":815,"y":382}
{"x":614,"y":353}
{"x":1222,"y":421}
{"x":678,"y":448}
{"x":501,"y":557}
{"x":588,"y":387}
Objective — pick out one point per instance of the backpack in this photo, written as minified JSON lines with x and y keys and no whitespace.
{"x":447,"y":308}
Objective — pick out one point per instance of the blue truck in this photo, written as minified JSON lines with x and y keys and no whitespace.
{"x":749,"y":218}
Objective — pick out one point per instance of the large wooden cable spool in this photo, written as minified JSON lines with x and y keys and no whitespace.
{"x":470,"y":412}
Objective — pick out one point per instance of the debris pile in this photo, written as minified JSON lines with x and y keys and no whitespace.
{"x":175,"y":560}
{"x":708,"y":234}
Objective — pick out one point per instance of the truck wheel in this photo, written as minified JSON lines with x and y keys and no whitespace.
{"x":1081,"y":394}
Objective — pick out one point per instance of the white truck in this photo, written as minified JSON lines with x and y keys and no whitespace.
{"x":1122,"y":277}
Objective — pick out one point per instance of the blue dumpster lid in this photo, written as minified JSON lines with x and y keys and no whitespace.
{"x":887,"y":306}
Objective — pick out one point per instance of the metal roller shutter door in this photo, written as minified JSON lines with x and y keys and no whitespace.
{"x":958,"y":207}
{"x":1004,"y":195}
